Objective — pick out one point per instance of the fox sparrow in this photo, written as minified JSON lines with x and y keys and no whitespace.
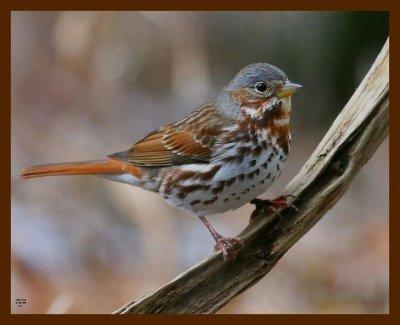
{"x":219,"y":157}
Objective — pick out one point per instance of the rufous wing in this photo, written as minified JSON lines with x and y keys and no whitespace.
{"x":189,"y":140}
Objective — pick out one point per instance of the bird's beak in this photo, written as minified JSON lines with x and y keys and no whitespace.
{"x":288,"y":89}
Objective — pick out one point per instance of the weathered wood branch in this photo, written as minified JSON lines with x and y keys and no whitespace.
{"x":348,"y":145}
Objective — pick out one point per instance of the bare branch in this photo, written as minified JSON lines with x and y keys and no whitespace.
{"x":348,"y":145}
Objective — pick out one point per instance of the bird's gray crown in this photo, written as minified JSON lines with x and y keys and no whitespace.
{"x":256,"y":72}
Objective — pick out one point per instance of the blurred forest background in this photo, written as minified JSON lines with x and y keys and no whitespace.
{"x":87,"y":84}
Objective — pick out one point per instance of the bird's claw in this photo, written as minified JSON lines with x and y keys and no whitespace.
{"x":272,"y":206}
{"x":226,"y":245}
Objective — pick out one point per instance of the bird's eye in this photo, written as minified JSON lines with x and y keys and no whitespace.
{"x":261,"y":87}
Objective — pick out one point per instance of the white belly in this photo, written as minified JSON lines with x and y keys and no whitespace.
{"x":231,"y":187}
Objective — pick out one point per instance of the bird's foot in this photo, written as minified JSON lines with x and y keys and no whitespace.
{"x":273,"y":206}
{"x":226,"y":245}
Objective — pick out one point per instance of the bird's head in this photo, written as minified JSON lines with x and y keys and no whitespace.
{"x":258,"y":91}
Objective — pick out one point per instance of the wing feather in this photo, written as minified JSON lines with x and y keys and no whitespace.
{"x":186,"y":141}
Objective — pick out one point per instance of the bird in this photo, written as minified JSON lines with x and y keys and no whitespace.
{"x":221,"y":156}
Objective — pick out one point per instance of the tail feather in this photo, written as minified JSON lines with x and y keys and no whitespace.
{"x":80,"y":168}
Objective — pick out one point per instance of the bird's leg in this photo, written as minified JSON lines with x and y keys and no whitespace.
{"x":271,"y":206}
{"x":222,"y":243}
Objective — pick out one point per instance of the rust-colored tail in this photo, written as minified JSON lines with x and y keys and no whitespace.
{"x":81,"y":168}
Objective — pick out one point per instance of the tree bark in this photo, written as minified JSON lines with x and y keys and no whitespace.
{"x":350,"y":142}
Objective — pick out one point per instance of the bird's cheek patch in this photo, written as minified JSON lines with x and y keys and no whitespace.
{"x":250,"y":112}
